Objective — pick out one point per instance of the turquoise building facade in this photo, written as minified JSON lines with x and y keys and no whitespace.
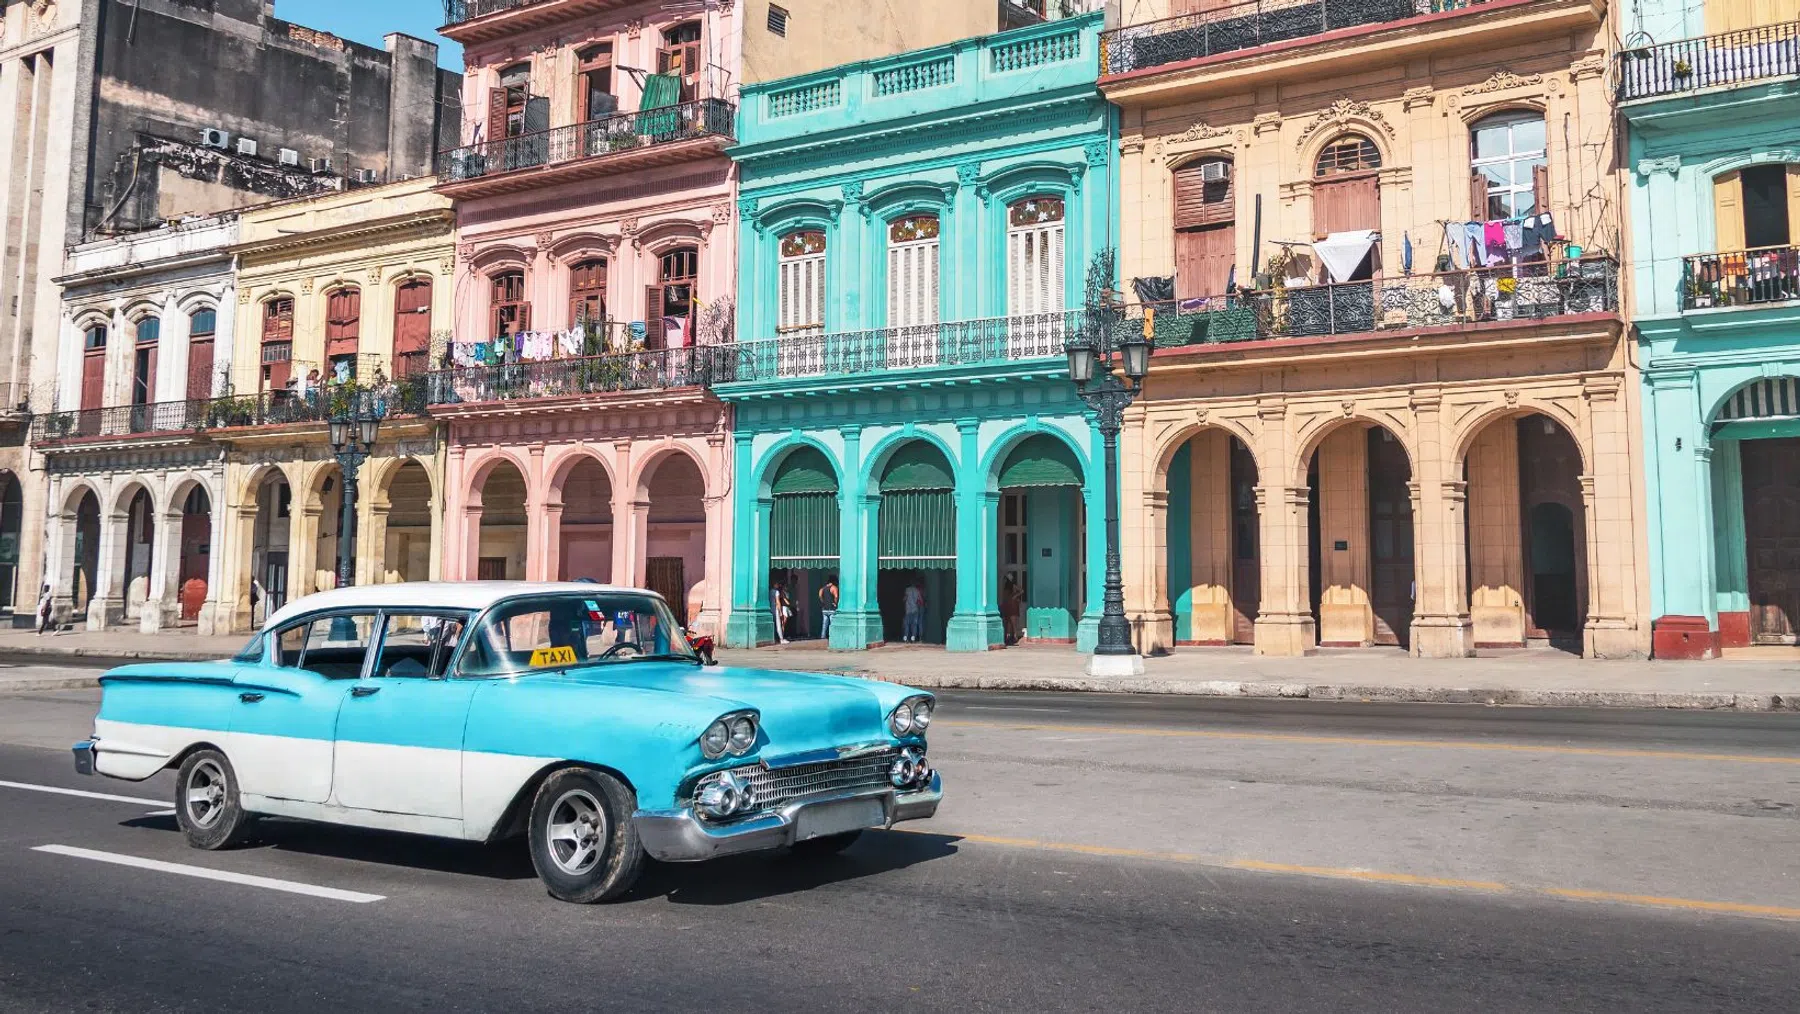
{"x":915,"y":232}
{"x":1714,"y":135}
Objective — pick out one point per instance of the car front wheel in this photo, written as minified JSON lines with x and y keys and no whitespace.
{"x":206,"y":802}
{"x":583,"y":844}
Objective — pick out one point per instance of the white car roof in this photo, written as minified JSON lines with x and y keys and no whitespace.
{"x":475,"y":595}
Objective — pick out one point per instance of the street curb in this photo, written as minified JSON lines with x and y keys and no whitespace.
{"x":122,"y":656}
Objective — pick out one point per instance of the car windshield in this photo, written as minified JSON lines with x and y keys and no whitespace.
{"x":580,"y":628}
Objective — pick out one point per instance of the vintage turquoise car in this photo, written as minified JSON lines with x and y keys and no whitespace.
{"x":574,"y":714}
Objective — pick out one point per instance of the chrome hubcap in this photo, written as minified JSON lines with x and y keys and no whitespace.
{"x":575,"y":830}
{"x":205,"y":794}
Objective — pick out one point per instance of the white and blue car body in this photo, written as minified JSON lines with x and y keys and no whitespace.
{"x":453,"y":709}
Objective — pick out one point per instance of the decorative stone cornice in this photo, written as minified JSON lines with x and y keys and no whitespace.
{"x":1095,"y":152}
{"x":1263,"y":123}
{"x":1131,"y":144}
{"x":1602,"y":388}
{"x":967,"y":173}
{"x":1668,"y":165}
{"x":1343,"y":113}
{"x":1590,"y":65}
{"x":1503,"y":80}
{"x":1412,"y":98}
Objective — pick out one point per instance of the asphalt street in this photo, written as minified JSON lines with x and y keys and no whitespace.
{"x":1096,"y":852}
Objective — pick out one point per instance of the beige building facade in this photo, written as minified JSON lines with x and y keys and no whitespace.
{"x":783,"y":38}
{"x":1391,"y":403}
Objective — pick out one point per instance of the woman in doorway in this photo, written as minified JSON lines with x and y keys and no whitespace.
{"x":1010,"y":602}
{"x":779,"y":608}
{"x":914,"y":626}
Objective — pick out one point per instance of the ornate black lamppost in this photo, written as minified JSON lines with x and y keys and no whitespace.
{"x":352,"y":439}
{"x":1092,"y":353}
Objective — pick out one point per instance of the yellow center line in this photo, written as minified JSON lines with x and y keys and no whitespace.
{"x":1431,"y":744}
{"x":1377,"y":876}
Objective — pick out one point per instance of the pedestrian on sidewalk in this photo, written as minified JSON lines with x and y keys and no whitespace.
{"x":914,"y":626}
{"x":778,"y":606}
{"x":45,"y":607}
{"x":256,"y":597}
{"x":828,"y":603}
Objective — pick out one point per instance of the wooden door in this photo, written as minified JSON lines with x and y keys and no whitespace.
{"x":93,"y":379}
{"x":1203,"y":260}
{"x":490,"y":568}
{"x":200,"y":370}
{"x":1772,"y":537}
{"x":1390,"y":538}
{"x":1246,"y":546}
{"x":1346,"y":202}
{"x":667,"y":576}
{"x":1014,"y":552}
{"x":412,"y":327}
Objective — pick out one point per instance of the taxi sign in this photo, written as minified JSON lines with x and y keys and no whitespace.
{"x":561,"y":655}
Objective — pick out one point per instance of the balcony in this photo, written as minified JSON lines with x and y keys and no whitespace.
{"x":1512,"y":293}
{"x":617,"y":143}
{"x":812,"y":354}
{"x":475,"y":21}
{"x":182,"y":419}
{"x":1249,"y":25}
{"x":1689,"y":65}
{"x":1746,"y":278}
{"x":574,"y":377}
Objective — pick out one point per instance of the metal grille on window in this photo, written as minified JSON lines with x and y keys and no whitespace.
{"x":913,"y":291}
{"x":800,"y":305}
{"x":1349,"y":154}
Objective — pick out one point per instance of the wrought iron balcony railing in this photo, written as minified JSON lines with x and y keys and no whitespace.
{"x":813,"y":353}
{"x":647,"y":370}
{"x":1247,"y":26}
{"x":1534,"y":291}
{"x":1753,"y":54}
{"x":458,"y":11}
{"x":1743,"y":278}
{"x":606,"y":136}
{"x":266,"y":408}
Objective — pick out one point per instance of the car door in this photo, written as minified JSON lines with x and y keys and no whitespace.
{"x":399,"y":730}
{"x":285,"y":718}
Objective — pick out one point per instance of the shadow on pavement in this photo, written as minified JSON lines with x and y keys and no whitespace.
{"x":506,"y":860}
{"x":753,"y":877}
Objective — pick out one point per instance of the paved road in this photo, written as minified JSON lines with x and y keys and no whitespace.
{"x":1116,"y":853}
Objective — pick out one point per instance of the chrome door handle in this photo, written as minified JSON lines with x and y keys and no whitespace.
{"x":250,"y":698}
{"x":364,"y":691}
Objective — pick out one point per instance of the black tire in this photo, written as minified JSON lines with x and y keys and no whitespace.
{"x":217,"y":821}
{"x":825,"y":845}
{"x":568,"y":798}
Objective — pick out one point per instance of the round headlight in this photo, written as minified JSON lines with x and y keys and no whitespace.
{"x":902,"y":720}
{"x":921,"y":713}
{"x":743,"y":734}
{"x":714,"y":740}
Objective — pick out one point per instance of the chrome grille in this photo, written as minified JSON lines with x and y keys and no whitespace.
{"x":778,"y":786}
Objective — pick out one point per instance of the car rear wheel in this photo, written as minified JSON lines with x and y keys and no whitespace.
{"x":206,"y":802}
{"x":583,"y":844}
{"x":825,"y":845}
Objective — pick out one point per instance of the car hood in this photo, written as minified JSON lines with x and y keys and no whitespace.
{"x":801,"y":712}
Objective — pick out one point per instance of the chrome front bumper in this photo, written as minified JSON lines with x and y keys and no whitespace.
{"x":678,"y":836}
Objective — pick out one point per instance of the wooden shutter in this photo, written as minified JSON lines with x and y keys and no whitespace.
{"x":200,"y":368}
{"x":1196,"y":204}
{"x":1346,"y":203}
{"x":1478,"y":196}
{"x":412,"y":317}
{"x":1793,"y":203}
{"x":1540,"y":188}
{"x":1728,"y":212}
{"x":343,"y":322}
{"x":93,"y":379}
{"x":1203,"y":259}
{"x":653,"y":315}
{"x":496,"y":125}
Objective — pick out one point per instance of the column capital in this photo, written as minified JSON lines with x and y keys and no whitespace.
{"x":1456,"y":490}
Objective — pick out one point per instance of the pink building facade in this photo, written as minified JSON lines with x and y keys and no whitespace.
{"x":595,"y":253}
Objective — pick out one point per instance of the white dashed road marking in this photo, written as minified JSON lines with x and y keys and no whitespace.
{"x":158,"y":866}
{"x":83,"y":794}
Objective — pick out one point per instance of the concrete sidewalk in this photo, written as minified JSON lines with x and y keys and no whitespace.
{"x":1761,"y":682}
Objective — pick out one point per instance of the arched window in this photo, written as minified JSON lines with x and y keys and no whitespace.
{"x":508,"y":102}
{"x":1346,"y":189}
{"x":680,"y":57}
{"x":669,"y":304}
{"x":587,"y":291}
{"x":508,"y":312}
{"x":1351,"y":153}
{"x":143,"y":365}
{"x":1510,"y":176}
{"x":277,"y":343}
{"x":203,"y":325}
{"x":343,"y":333}
{"x":1205,"y":227}
{"x":412,"y":327}
{"x":1034,"y":256}
{"x":800,"y":283}
{"x":93,"y":366}
{"x":912,"y":283}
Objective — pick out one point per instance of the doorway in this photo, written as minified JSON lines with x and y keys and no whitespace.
{"x":1771,"y":470}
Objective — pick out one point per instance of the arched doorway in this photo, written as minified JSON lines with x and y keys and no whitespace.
{"x":675,"y":557}
{"x":1214,"y":540}
{"x":1360,"y":526}
{"x":915,"y":546}
{"x":406,"y":553}
{"x":140,"y":533}
{"x":500,"y":554}
{"x":12,"y":521}
{"x":1771,"y":480}
{"x":1526,"y":534}
{"x":196,"y":553}
{"x":586,"y":546}
{"x":1042,"y":532}
{"x":270,"y":550}
{"x":803,"y":537}
{"x":87,"y":553}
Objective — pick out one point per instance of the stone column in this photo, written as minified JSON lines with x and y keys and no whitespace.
{"x":748,"y":623}
{"x":171,"y":353}
{"x":1346,"y":620}
{"x":624,"y":496}
{"x":215,"y":612}
{"x":439,"y":532}
{"x":1612,"y":629}
{"x":236,"y":569}
{"x":1143,"y":541}
{"x":1496,"y":554}
{"x":1441,"y":626}
{"x":107,"y":609}
{"x":975,"y":625}
{"x":454,"y":559}
{"x":304,"y":518}
{"x":711,"y":617}
{"x":162,"y":602}
{"x":858,"y":621}
{"x":224,"y":338}
{"x":1284,"y":620}
{"x":59,"y":561}
{"x":1682,"y":530}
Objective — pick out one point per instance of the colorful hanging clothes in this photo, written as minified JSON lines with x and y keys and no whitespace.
{"x":1494,"y":243}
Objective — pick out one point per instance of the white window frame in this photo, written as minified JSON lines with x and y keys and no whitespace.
{"x":1513,"y":156}
{"x":800,"y":309}
{"x":1036,"y":285}
{"x":913,"y":295}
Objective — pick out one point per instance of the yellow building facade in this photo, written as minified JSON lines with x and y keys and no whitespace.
{"x":1390,"y":403}
{"x":341,"y":301}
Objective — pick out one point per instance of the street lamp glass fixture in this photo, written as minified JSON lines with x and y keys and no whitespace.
{"x":368,"y":425}
{"x":1081,"y":360}
{"x":340,"y":433}
{"x":1137,"y":357}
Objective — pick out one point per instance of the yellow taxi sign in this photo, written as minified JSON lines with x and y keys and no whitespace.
{"x":562,"y":655}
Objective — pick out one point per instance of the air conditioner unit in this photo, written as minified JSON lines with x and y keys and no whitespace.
{"x":1215,"y":172}
{"x":246,"y":146}
{"x":367,"y":176}
{"x":319,"y":165}
{"x":213,"y":137}
{"x":288,"y":156}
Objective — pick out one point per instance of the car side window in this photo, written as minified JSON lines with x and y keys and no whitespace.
{"x":336,"y":645}
{"x":290,"y":642}
{"x":419,"y":645}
